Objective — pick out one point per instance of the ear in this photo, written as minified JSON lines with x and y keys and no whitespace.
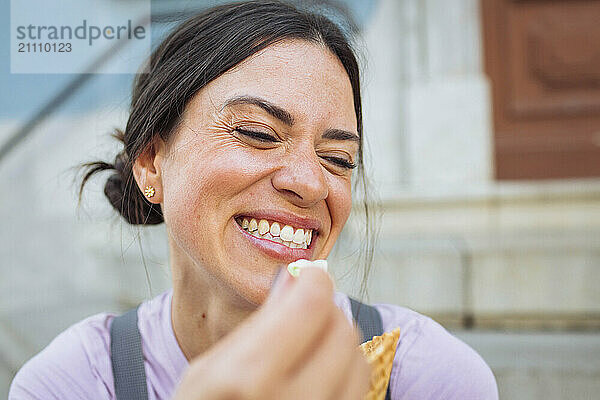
{"x":147,"y":169}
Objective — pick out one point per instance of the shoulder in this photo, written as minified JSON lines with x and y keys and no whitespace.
{"x":75,"y":365}
{"x":431,"y":363}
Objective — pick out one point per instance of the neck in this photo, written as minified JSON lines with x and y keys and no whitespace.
{"x":202,"y":310}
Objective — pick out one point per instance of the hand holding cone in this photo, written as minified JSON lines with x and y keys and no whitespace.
{"x":380,"y":352}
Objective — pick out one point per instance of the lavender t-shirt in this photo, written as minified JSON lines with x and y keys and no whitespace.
{"x":430,"y":363}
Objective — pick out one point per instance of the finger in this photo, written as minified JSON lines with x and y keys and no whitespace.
{"x":282,"y":287}
{"x":328,"y":365}
{"x":289,"y":328}
{"x":358,"y":380}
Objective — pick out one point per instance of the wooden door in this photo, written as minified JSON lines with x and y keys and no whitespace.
{"x":543,"y":60}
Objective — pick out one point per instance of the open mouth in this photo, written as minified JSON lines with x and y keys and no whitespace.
{"x":274,"y":231}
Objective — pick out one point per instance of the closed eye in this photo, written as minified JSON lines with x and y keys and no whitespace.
{"x":340,"y":162}
{"x":260,"y":136}
{"x":265,"y":137}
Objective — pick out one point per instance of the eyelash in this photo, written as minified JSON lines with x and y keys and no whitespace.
{"x":260,"y":136}
{"x":264,"y":137}
{"x":341,"y":162}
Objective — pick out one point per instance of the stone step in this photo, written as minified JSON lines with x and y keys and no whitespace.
{"x":531,"y":366}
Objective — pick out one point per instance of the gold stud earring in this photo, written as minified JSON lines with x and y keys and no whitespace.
{"x":149,"y":191}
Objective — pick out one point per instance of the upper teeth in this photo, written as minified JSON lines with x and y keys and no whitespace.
{"x":295,"y":238}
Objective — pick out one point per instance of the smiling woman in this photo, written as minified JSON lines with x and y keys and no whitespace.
{"x":245,"y":148}
{"x":242,"y":138}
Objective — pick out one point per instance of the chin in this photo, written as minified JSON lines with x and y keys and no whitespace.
{"x":253,"y":289}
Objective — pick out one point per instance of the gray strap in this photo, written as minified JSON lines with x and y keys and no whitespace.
{"x":127,"y":358}
{"x":369,"y":321}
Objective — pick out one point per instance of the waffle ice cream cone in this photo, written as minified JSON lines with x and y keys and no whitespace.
{"x":380,"y":352}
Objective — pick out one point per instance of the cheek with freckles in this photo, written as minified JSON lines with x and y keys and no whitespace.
{"x":203,"y":175}
{"x":339,"y":203}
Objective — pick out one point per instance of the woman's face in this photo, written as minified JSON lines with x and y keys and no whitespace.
{"x":257,"y":175}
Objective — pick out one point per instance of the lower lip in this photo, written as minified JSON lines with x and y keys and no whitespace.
{"x":276,"y":250}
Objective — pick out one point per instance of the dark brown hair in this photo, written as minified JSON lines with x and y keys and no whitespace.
{"x":197,"y":52}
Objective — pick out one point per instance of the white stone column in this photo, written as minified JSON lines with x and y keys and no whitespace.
{"x":383,"y":97}
{"x":427,"y":101}
{"x":448,"y":116}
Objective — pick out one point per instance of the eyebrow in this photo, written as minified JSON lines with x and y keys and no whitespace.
{"x":271,"y":108}
{"x":339,"y":134}
{"x":287,"y":118}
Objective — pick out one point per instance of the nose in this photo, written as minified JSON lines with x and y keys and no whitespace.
{"x":301,"y":178}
